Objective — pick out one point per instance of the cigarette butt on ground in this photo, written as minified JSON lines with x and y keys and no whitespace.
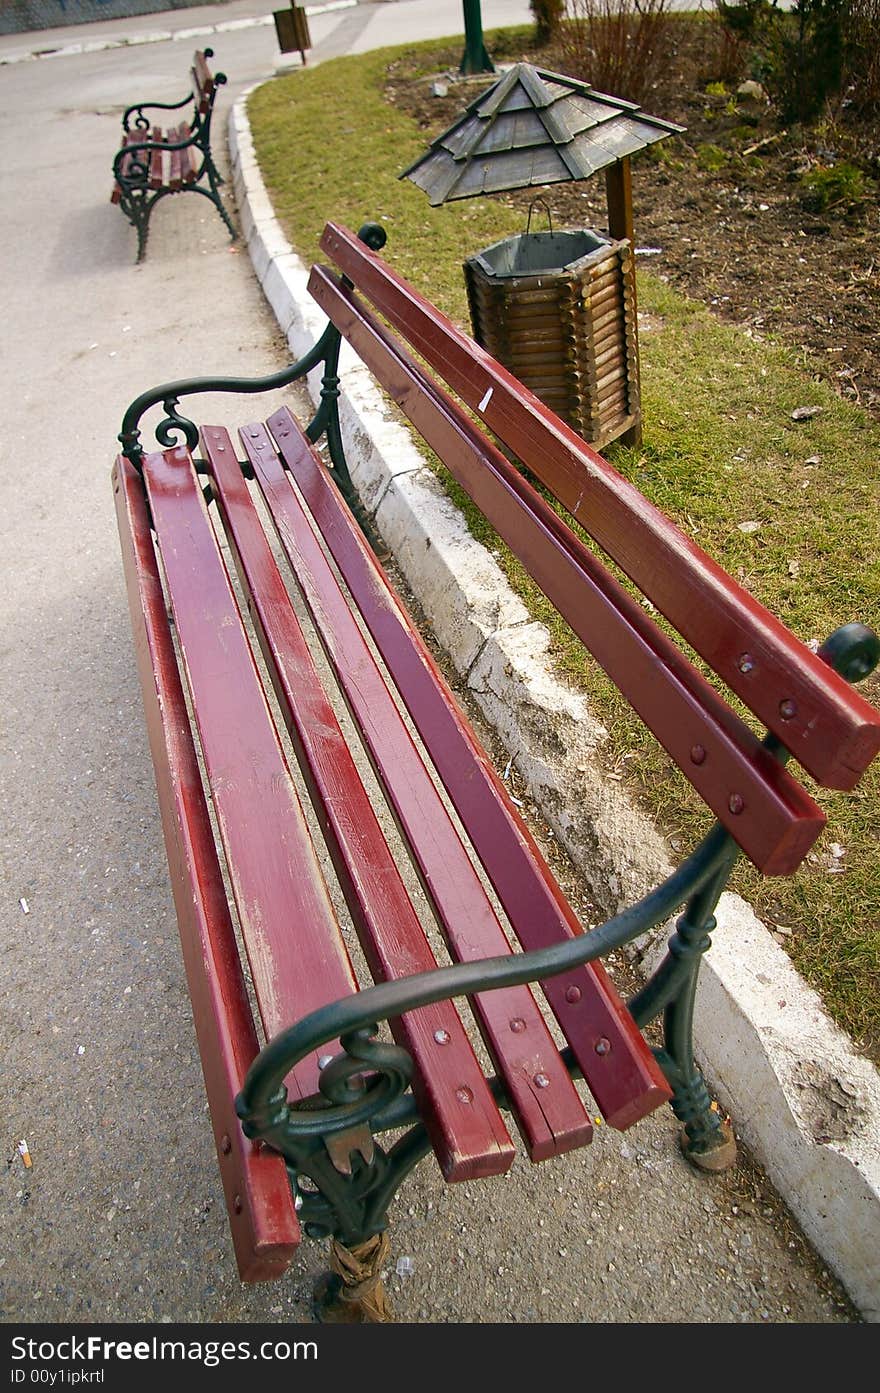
{"x":24,"y":1153}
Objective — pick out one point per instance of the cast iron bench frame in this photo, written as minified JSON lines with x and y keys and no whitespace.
{"x":352,"y":1092}
{"x":153,"y":162}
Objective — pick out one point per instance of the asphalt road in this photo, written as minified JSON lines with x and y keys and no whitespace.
{"x":120,"y":1216}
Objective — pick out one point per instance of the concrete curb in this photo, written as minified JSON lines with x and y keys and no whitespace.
{"x":802,"y":1099}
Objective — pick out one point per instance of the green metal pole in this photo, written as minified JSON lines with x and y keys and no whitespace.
{"x":475,"y":58}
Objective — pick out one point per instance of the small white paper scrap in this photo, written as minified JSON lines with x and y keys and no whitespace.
{"x":486,"y":399}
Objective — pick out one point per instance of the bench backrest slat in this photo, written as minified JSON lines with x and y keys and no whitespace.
{"x":767,"y":811}
{"x":203,"y":83}
{"x":157,"y":161}
{"x":275,"y":875}
{"x":264,"y":1224}
{"x":175,"y":163}
{"x":626,"y":1081}
{"x":827,"y":726}
{"x":470,"y":1138}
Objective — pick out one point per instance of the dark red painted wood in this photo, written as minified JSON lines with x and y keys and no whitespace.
{"x":157,"y":171}
{"x":175,"y":162}
{"x":833,"y":732}
{"x":549,"y":1112}
{"x":189,"y":157}
{"x":466,"y":1128}
{"x":273,"y":869}
{"x":625,"y":1081}
{"x":202,"y":80}
{"x":264,"y":1225}
{"x":771,"y":816}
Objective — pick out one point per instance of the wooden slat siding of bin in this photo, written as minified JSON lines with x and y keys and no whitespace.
{"x":264,"y":1225}
{"x":550,"y":1116}
{"x":829,"y":728}
{"x":469,"y":1137}
{"x":778,"y":822}
{"x":626,"y":1080}
{"x":273,"y":869}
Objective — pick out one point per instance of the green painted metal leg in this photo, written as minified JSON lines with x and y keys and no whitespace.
{"x":138,"y":214}
{"x":215,"y":180}
{"x":707,"y":1138}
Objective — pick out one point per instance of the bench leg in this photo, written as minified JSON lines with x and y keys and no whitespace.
{"x":214,"y":197}
{"x":137,"y":209}
{"x":215,"y":179}
{"x":707,"y":1138}
{"x":326,"y":421}
{"x":352,"y":1292}
{"x":355,"y":1181}
{"x":343,"y":1179}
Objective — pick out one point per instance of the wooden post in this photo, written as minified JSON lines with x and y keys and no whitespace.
{"x":618,"y":193}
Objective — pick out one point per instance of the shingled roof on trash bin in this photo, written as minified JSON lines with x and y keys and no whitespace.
{"x":532,"y":127}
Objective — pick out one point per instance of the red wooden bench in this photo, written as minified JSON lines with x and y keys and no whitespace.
{"x":265,"y":676}
{"x":154,"y":161}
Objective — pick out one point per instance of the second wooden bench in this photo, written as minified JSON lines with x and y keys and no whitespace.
{"x":154,"y":160}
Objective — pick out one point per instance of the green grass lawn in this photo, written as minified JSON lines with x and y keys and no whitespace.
{"x":720,"y":449}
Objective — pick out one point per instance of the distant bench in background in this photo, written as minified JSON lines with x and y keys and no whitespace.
{"x":154,"y":161}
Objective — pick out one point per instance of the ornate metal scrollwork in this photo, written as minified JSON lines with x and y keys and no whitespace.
{"x":355,"y":1086}
{"x":173,"y":425}
{"x":169,"y":394}
{"x":328,"y":1139}
{"x":352,"y":1206}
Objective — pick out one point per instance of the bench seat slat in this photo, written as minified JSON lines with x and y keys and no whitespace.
{"x":275,"y":875}
{"x":834,"y":732}
{"x":264,"y":1224}
{"x":175,"y":163}
{"x":550,"y":1114}
{"x":157,"y":161}
{"x":184,"y":162}
{"x":466,"y":1128}
{"x":771,"y":816}
{"x":626,"y":1080}
{"x":189,"y":158}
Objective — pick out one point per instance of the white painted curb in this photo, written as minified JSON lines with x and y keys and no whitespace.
{"x":159,"y":36}
{"x":801,"y":1098}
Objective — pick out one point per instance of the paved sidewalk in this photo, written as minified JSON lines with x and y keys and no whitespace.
{"x":120,"y":1216}
{"x":198,"y":22}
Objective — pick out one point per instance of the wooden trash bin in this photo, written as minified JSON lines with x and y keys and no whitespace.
{"x":292,"y":29}
{"x":558,"y":309}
